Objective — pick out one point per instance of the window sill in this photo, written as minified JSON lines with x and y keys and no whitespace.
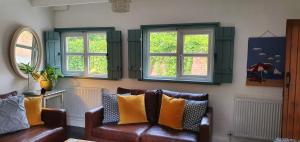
{"x":86,"y":77}
{"x":180,"y":81}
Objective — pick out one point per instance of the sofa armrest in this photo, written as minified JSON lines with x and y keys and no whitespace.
{"x":93,"y":118}
{"x":54,"y":118}
{"x":205,"y":133}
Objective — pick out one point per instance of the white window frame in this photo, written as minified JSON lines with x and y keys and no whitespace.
{"x":180,"y":55}
{"x":86,"y":54}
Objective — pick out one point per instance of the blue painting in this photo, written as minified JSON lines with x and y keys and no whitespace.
{"x":266,"y":57}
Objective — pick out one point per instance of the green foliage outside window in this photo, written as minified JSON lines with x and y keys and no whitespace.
{"x":96,"y":44}
{"x":166,"y":42}
{"x":75,"y":45}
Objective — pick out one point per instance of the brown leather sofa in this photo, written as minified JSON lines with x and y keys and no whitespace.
{"x":147,"y":132}
{"x":53,"y":130}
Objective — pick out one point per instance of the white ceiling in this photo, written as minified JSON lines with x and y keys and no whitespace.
{"x":50,"y":3}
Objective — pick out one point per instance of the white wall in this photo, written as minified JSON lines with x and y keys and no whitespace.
{"x":13,"y":14}
{"x":250,"y":17}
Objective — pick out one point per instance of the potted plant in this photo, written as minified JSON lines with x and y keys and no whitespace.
{"x":27,"y":69}
{"x":47,"y":77}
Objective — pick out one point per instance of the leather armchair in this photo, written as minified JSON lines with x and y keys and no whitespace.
{"x":53,"y":130}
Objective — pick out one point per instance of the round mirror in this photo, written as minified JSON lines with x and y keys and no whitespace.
{"x":25,"y":50}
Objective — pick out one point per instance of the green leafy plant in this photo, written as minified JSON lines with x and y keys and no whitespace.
{"x":27,"y":69}
{"x":51,"y":73}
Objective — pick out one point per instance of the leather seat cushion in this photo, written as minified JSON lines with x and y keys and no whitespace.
{"x":35,"y":134}
{"x":162,"y":134}
{"x":113,"y":132}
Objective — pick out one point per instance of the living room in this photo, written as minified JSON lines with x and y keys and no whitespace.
{"x":140,"y":49}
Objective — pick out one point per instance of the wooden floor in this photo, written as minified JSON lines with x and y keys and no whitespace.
{"x":75,"y":132}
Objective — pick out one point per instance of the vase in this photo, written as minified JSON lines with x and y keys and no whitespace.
{"x":47,"y":84}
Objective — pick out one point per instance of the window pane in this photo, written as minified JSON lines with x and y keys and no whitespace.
{"x":98,"y":65}
{"x":163,"y":42}
{"x":195,"y":66}
{"x":196,"y":43}
{"x":75,"y":63}
{"x":74,"y":44}
{"x":162,"y":66}
{"x":97,"y":43}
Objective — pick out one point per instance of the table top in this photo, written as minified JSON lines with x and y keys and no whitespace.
{"x":48,"y":93}
{"x":76,"y":140}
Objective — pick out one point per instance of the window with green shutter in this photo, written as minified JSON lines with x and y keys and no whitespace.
{"x":52,"y":49}
{"x":195,"y":53}
{"x":91,"y":53}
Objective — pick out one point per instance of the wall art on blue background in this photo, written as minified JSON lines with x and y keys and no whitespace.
{"x":266,"y":58}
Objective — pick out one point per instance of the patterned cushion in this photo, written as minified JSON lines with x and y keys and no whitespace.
{"x":193,"y":113}
{"x":111,"y":109}
{"x":12,"y":114}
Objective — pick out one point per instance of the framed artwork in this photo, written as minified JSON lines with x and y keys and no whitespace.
{"x":266,"y":58}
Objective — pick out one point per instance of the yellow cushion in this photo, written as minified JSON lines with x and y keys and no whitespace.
{"x":33,"y":106}
{"x":132,"y":109}
{"x":171,"y":112}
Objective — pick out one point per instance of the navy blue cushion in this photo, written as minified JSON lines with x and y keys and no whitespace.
{"x":193,"y":113}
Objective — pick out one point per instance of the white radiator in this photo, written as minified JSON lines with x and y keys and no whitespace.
{"x":257,"y":118}
{"x":79,"y":100}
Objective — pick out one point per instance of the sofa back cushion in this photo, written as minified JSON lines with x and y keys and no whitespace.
{"x":121,"y":90}
{"x":13,"y":114}
{"x":151,"y":101}
{"x":183,"y":95}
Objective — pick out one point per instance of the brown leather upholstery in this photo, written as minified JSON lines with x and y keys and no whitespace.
{"x":125,"y":133}
{"x":163,"y":134}
{"x":121,"y":90}
{"x":93,"y":119}
{"x":188,"y":96}
{"x":96,"y":131}
{"x":53,"y":130}
{"x":35,"y":134}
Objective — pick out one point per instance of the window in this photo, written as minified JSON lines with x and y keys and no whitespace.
{"x":85,"y":54}
{"x":179,"y":54}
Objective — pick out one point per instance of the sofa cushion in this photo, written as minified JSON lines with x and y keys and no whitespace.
{"x":132,"y":109}
{"x":151,"y":101}
{"x":187,"y":96}
{"x":35,"y":134}
{"x":130,"y":132}
{"x":12,"y":114}
{"x":193,"y":113}
{"x":33,"y":107}
{"x":111,"y":108}
{"x":162,"y":134}
{"x":171,"y":112}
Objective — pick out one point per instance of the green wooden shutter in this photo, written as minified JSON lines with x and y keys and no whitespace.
{"x":134,"y":54}
{"x":224,"y":52}
{"x":114,"y":57}
{"x":52,"y":49}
